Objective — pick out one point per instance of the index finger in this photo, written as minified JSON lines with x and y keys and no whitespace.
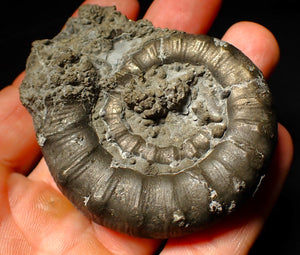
{"x":193,"y":16}
{"x":257,"y":42}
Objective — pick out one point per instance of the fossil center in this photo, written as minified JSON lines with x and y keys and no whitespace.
{"x":159,"y":91}
{"x":170,"y":99}
{"x":177,"y":111}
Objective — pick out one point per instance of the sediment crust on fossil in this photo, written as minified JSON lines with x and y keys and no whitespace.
{"x":151,"y":132}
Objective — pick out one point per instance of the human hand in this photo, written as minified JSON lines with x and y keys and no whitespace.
{"x":35,"y":218}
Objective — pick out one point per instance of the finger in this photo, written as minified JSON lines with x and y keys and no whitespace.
{"x":19,"y":150}
{"x":119,"y":243}
{"x":194,"y":16}
{"x":257,"y":42}
{"x":46,"y":220}
{"x":130,"y":8}
{"x":237,"y":233}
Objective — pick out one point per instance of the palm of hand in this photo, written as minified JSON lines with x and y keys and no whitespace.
{"x":35,"y":218}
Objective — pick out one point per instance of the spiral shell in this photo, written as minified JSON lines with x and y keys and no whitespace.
{"x":171,"y":133}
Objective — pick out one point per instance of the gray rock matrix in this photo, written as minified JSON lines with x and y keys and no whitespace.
{"x":152,"y":132}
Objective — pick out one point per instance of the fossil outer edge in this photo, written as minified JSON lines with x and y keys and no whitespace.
{"x":146,"y":205}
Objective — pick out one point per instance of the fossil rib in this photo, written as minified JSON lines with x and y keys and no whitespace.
{"x":154,"y":133}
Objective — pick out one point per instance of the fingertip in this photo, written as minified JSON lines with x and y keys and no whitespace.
{"x":130,"y":8}
{"x":285,"y":149}
{"x":257,"y":42}
{"x":194,"y":16}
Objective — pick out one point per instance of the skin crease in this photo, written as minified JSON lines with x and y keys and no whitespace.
{"x":35,"y":218}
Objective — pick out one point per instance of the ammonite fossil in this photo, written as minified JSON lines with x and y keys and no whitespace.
{"x":154,"y":133}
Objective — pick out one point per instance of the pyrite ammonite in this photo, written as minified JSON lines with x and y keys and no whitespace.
{"x":151,"y":132}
